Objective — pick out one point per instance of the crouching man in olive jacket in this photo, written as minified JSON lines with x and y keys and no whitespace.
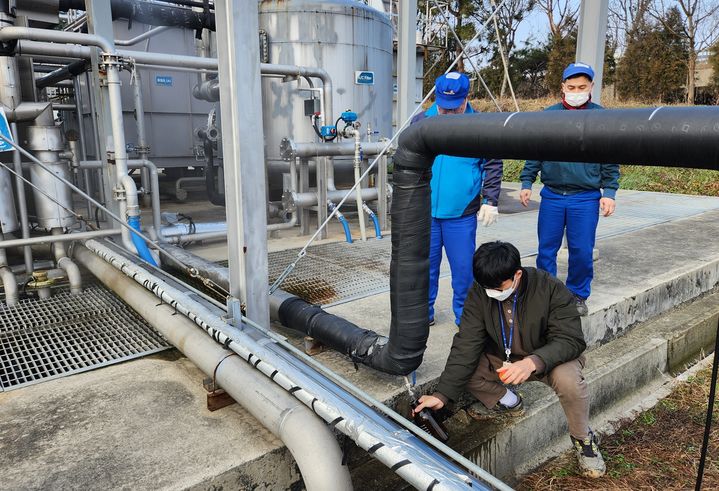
{"x":519,"y":324}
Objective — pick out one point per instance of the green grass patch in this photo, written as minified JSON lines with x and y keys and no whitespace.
{"x":639,"y":178}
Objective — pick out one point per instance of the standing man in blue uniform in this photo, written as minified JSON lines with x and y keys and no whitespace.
{"x":464,"y":190}
{"x":572,"y":197}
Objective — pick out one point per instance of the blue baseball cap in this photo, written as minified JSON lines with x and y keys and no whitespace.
{"x":451,"y":90}
{"x":578,"y":68}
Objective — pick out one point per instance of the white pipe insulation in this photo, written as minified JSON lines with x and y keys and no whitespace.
{"x":308,"y":438}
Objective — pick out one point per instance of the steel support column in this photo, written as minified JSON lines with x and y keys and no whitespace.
{"x":238,"y":56}
{"x":99,"y":22}
{"x":406,"y":60}
{"x":592,"y":36}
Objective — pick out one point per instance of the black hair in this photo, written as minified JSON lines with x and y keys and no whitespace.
{"x":495,"y":262}
{"x":577,"y":75}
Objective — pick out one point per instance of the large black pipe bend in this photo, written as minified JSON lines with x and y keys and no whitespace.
{"x":665,"y":136}
{"x":676,"y":137}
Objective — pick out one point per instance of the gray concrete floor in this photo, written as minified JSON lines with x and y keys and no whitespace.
{"x":143,"y":424}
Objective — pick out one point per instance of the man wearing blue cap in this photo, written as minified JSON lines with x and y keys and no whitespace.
{"x":461,"y":188}
{"x":572,"y":197}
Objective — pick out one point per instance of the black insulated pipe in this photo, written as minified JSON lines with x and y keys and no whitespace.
{"x":154,"y":14}
{"x":215,"y":196}
{"x":402,"y":352}
{"x":69,"y":71}
{"x":675,"y":137}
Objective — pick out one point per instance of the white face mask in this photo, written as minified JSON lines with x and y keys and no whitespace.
{"x":576,"y":99}
{"x":500,"y":295}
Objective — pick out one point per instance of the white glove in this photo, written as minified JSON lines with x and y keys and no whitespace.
{"x":488,"y":215}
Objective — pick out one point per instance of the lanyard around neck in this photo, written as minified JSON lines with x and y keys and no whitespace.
{"x":508,"y":346}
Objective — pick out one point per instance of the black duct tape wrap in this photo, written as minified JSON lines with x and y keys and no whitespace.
{"x":335,"y":332}
{"x":155,"y":14}
{"x":665,"y":136}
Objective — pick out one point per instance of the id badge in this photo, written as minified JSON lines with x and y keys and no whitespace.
{"x":506,"y":364}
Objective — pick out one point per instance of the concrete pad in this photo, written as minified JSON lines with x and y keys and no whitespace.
{"x":137,"y":425}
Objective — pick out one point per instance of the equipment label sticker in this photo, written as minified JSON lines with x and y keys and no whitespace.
{"x":163,"y":80}
{"x":5,"y":132}
{"x":364,"y":78}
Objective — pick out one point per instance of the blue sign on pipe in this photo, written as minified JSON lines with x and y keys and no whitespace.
{"x":364,"y":78}
{"x":5,"y":131}
{"x":163,"y":80}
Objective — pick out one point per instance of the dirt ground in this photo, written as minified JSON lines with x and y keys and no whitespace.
{"x":659,"y":450}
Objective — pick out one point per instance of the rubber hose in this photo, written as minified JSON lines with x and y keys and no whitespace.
{"x":346,"y":227}
{"x":377,"y":230}
{"x":142,"y":250}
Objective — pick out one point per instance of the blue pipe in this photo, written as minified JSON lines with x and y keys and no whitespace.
{"x":377,"y":231}
{"x":346,"y":226}
{"x":142,"y":250}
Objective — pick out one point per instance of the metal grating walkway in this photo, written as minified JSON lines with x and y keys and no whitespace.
{"x":46,"y":339}
{"x":338,"y":272}
{"x":335,"y":272}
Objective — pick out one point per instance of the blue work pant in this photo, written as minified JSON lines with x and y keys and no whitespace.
{"x":458,"y":237}
{"x":579,"y":215}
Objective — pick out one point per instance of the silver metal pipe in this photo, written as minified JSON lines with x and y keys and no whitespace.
{"x":21,"y":268}
{"x":143,"y":149}
{"x":64,"y":107}
{"x":154,"y":183}
{"x":81,"y":143}
{"x":66,"y":264}
{"x":181,"y":193}
{"x":22,"y":202}
{"x":9,"y":283}
{"x":51,"y":239}
{"x":57,"y":51}
{"x":196,"y":228}
{"x":141,"y":37}
{"x":318,"y":457}
{"x":284,"y":225}
{"x":305,"y":150}
{"x":203,"y":237}
{"x":358,"y":181}
{"x":27,"y":111}
{"x":295,"y":200}
{"x":50,"y":35}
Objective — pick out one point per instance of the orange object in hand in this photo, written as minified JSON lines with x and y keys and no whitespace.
{"x":503,"y":375}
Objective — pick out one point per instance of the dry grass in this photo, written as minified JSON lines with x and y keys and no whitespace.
{"x":657,"y":450}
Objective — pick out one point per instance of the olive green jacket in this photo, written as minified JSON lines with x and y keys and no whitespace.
{"x":549,"y":326}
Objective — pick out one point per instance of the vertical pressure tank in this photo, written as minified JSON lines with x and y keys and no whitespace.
{"x":348,"y":39}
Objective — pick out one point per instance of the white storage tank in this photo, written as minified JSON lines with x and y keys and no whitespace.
{"x":348,"y":39}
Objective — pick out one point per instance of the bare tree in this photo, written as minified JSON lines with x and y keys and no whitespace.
{"x":509,"y":16}
{"x":561,"y":14}
{"x":699,"y":29}
{"x":625,"y":16}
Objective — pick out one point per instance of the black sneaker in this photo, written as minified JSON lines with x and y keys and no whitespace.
{"x":591,"y":462}
{"x":581,"y":305}
{"x":431,"y":322}
{"x":479,"y":412}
